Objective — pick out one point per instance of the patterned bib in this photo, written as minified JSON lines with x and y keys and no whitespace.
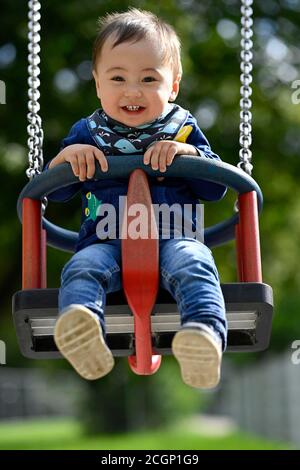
{"x":114,"y":138}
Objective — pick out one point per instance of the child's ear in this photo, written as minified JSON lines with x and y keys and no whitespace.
{"x":97,"y":83}
{"x":175,"y":88}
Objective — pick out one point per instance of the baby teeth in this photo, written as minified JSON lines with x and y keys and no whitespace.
{"x":132,"y":108}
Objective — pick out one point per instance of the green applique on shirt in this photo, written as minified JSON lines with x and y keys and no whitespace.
{"x":91,"y":211}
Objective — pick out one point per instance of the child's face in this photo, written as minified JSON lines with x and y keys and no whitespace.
{"x":134,"y":74}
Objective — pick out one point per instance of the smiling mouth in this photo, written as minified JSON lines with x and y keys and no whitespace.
{"x":132,"y":109}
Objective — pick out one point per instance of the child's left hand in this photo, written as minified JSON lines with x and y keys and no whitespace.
{"x":162,"y":153}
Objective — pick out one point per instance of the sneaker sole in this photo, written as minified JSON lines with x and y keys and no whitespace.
{"x":79,"y":338}
{"x":199,"y":358}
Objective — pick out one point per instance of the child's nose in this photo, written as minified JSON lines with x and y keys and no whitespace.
{"x":133,"y":91}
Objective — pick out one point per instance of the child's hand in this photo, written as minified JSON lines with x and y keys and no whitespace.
{"x":82,"y":160}
{"x":162,"y":153}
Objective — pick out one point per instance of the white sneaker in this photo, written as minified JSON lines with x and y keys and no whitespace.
{"x":199,"y":356}
{"x":78,"y":336}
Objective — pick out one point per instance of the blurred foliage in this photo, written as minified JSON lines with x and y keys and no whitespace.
{"x":133,"y":402}
{"x":210,"y":82}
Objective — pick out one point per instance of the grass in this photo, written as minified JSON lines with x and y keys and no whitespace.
{"x":67,"y":434}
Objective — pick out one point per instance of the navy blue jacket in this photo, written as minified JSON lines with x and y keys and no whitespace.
{"x":169,"y":191}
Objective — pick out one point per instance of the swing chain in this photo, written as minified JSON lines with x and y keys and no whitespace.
{"x":34,"y":128}
{"x":245,"y":153}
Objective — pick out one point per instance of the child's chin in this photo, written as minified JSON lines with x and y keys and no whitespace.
{"x":133,"y":122}
{"x":136,"y":116}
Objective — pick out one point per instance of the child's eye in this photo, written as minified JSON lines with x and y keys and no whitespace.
{"x":149,"y":79}
{"x":117,"y":78}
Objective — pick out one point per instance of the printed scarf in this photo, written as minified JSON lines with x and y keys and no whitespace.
{"x":114,"y":138}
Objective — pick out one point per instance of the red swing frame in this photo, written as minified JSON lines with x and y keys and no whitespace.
{"x":140,"y":261}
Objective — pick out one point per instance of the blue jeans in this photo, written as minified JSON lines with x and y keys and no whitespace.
{"x":187,"y":271}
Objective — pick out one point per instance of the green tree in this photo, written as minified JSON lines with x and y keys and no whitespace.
{"x":210,"y":89}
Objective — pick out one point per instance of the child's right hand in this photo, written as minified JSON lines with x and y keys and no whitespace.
{"x":82,"y":160}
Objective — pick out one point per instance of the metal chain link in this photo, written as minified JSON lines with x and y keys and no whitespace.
{"x":34,"y":128}
{"x":245,"y":153}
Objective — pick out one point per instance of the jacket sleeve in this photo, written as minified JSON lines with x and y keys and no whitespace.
{"x":202,"y":189}
{"x":77,"y":135}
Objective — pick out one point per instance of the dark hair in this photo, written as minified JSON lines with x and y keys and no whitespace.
{"x":135,"y":25}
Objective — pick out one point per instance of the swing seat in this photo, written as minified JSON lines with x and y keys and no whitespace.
{"x":249,"y":309}
{"x":249,"y":303}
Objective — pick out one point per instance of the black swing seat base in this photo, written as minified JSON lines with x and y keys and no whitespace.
{"x":249,"y":310}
